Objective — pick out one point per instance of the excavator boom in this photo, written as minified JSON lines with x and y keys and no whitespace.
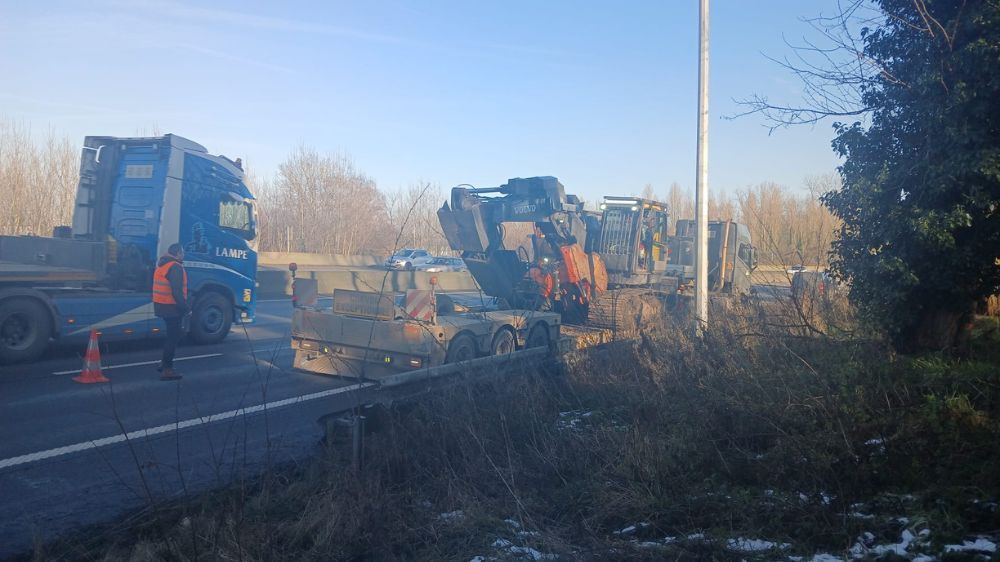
{"x":474,"y":222}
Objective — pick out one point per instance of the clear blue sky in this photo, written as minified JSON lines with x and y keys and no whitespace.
{"x":601,"y":94}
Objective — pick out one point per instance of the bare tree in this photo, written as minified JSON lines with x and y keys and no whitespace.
{"x":787,"y":227}
{"x":38,"y":180}
{"x":832,"y":67}
{"x":421,"y":201}
{"x":680,"y":204}
{"x":323,"y":204}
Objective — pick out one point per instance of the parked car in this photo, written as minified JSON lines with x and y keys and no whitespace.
{"x":813,"y":284}
{"x":438,"y":265}
{"x":408,"y":259}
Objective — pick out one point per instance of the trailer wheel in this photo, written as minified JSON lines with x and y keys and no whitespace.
{"x":503,"y":342}
{"x":462,"y":348}
{"x":212,"y":318}
{"x":25,"y":329}
{"x":538,"y":336}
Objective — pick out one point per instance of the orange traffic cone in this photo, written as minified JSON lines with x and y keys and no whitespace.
{"x":91,"y":363}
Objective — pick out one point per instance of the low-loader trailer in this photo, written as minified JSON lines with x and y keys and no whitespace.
{"x":368,"y":334}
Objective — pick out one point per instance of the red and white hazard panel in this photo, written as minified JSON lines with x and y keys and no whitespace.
{"x":420,"y":305}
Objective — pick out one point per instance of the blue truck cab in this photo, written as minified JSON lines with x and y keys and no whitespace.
{"x":136,"y":197}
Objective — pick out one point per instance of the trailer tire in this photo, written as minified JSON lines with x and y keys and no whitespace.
{"x":462,"y":348}
{"x":538,"y":336}
{"x":25,"y":330}
{"x":211,"y":319}
{"x":504,"y":342}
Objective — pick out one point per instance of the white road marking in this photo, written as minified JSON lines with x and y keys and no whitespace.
{"x":123,"y":365}
{"x":149,"y":432}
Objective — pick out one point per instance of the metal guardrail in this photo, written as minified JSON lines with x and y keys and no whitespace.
{"x":497,"y":362}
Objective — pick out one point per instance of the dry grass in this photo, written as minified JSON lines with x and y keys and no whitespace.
{"x":754,"y":431}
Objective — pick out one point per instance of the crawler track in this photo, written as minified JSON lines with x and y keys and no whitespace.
{"x":625,"y":311}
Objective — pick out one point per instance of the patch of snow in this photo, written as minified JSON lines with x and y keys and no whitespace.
{"x":858,"y":515}
{"x":903,"y":520}
{"x":512,"y":523}
{"x":654,"y":544}
{"x":768,"y":493}
{"x":531,"y":553}
{"x":626,"y":531}
{"x":860,"y":547}
{"x":456,"y":515}
{"x":696,"y":537}
{"x":481,"y":559}
{"x":923,"y":558}
{"x":754,"y":545}
{"x":528,"y":533}
{"x":906,"y":538}
{"x":981,"y":544}
{"x":502,"y":543}
{"x":824,"y":557}
{"x":876,"y":441}
{"x":865,"y":545}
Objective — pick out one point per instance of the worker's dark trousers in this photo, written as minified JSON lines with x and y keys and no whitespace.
{"x":174,"y":335}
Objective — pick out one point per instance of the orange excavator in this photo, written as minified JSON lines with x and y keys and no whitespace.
{"x":612,"y":268}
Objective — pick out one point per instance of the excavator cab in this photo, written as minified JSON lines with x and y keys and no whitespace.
{"x":633,"y":239}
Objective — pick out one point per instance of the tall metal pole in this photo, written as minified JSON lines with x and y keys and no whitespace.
{"x":701,"y":199}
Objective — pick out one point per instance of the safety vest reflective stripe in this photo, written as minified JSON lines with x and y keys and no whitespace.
{"x":162,"y":293}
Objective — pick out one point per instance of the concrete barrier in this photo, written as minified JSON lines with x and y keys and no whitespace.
{"x":276,"y":283}
{"x":282,"y":259}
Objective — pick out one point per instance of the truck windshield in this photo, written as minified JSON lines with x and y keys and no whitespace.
{"x":236,"y":214}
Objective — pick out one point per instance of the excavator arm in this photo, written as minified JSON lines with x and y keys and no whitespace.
{"x":473,"y":222}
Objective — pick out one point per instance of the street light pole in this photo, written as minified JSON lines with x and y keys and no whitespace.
{"x":701,"y":199}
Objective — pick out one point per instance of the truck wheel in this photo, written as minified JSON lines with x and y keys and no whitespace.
{"x":25,"y":329}
{"x":538,"y":336}
{"x":212,"y":319}
{"x":503,"y":342}
{"x":462,"y":348}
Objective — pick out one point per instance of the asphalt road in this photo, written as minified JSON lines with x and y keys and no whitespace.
{"x":73,"y":454}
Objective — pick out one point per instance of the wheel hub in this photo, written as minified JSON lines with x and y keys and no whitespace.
{"x":15,"y":331}
{"x":211,"y":319}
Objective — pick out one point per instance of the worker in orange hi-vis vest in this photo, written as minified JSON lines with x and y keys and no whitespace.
{"x":171,"y":304}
